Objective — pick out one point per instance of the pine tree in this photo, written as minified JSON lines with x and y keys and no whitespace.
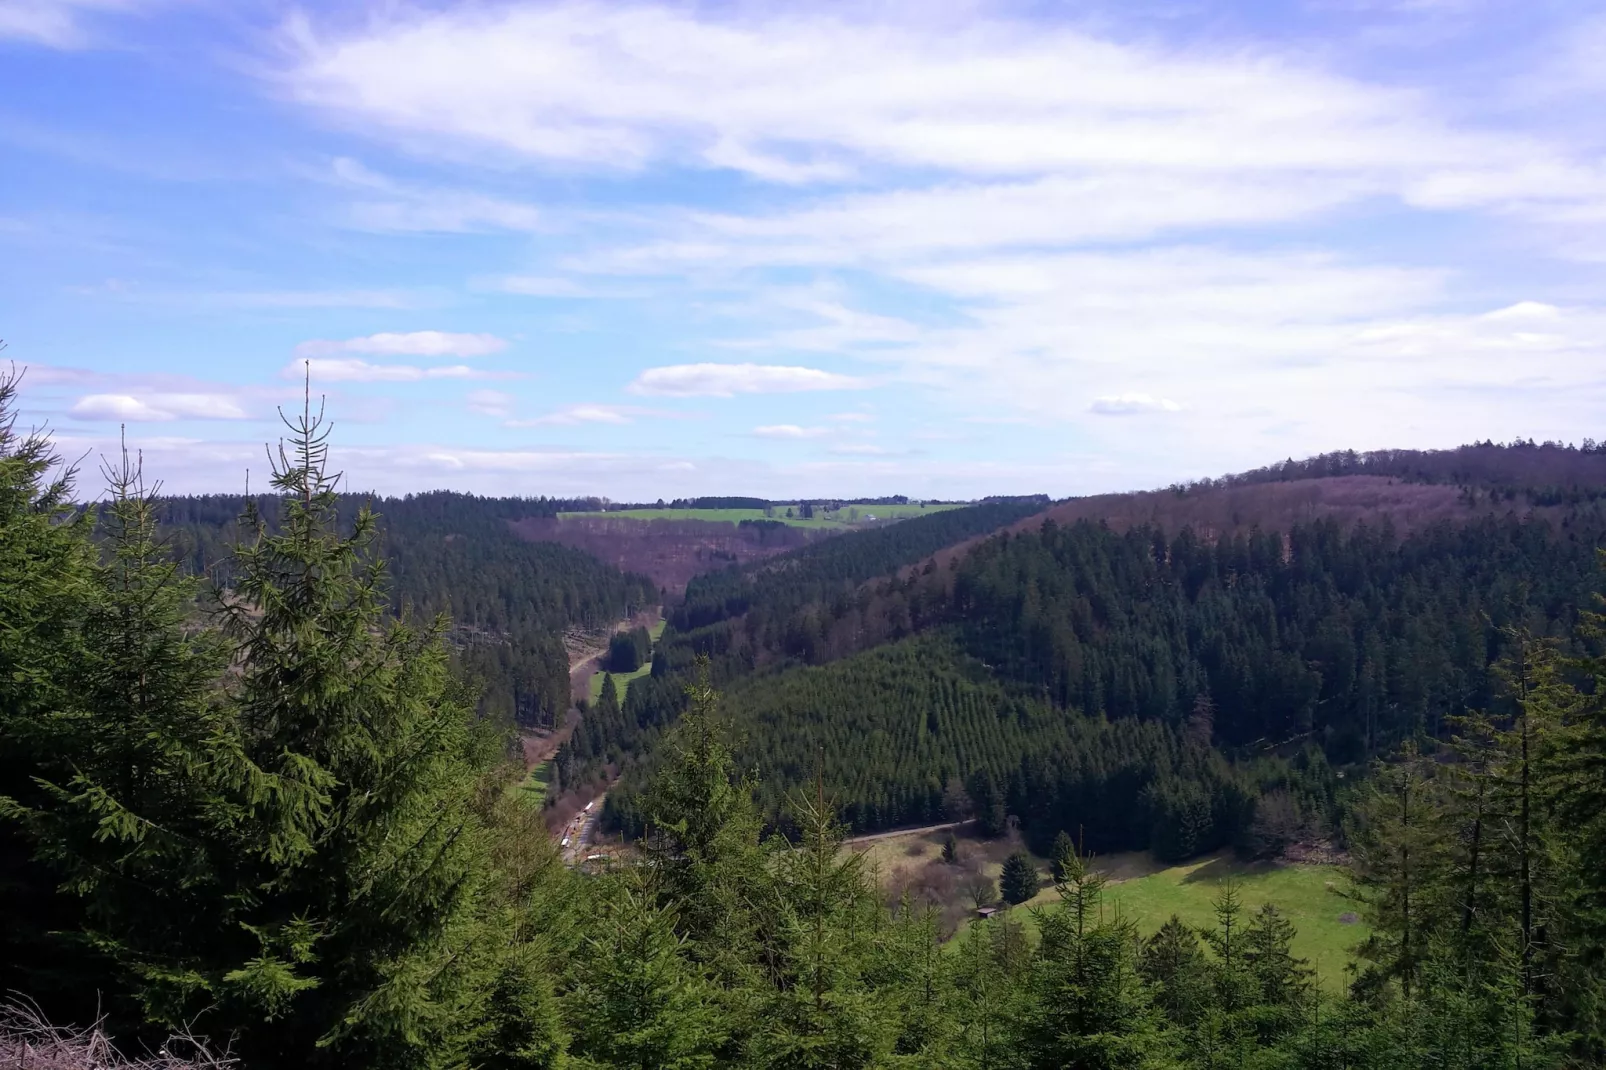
{"x":127,"y":831}
{"x":1396,"y":846}
{"x":991,"y":993}
{"x":1019,"y":880}
{"x":1174,"y":967}
{"x":1280,"y":979}
{"x":639,"y":1001}
{"x":988,"y":804}
{"x":358,"y":897}
{"x":1091,"y":1006}
{"x":1063,"y":847}
{"x":702,"y":836}
{"x":823,"y":1013}
{"x":47,"y":589}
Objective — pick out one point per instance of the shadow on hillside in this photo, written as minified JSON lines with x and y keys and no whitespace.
{"x":1221,"y":868}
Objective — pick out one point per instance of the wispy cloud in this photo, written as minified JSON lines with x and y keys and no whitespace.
{"x":496,"y":403}
{"x":1132,"y":405}
{"x":571,"y":415}
{"x":53,"y":23}
{"x":361,"y":371}
{"x":728,"y":380}
{"x":789,"y":431}
{"x":541,"y":286}
{"x":408,"y":344}
{"x":157,"y":407}
{"x":383,"y":204}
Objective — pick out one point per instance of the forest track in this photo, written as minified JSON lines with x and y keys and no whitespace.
{"x":919,"y":830}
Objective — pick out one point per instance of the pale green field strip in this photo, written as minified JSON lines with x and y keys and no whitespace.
{"x":838,"y":520}
{"x":532,"y":789}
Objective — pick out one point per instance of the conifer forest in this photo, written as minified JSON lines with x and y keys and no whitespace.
{"x":255,"y":802}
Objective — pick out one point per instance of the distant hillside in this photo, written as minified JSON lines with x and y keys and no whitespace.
{"x":670,"y":551}
{"x":510,"y":601}
{"x":1339,"y":604}
{"x":1547,"y":468}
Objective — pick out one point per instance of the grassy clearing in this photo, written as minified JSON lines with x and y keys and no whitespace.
{"x":621,"y":680}
{"x":532,"y":789}
{"x":843,"y":519}
{"x":1149,"y":892}
{"x":1305,"y":893}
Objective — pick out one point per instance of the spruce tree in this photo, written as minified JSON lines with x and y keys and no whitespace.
{"x":1396,"y":845}
{"x":1019,"y":880}
{"x":47,"y":589}
{"x":127,"y":831}
{"x":1091,"y":1007}
{"x":358,"y":922}
{"x":639,"y":1002}
{"x":1174,"y":966}
{"x":1063,"y":847}
{"x":824,"y":1012}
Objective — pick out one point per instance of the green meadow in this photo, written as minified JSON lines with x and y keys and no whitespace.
{"x":1307,"y":894}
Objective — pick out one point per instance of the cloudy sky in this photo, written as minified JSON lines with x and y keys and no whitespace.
{"x":940,"y":249}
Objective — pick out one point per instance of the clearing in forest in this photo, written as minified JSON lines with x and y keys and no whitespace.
{"x":621,"y":680}
{"x":1142,"y":889}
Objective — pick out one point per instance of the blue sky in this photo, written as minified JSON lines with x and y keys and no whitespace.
{"x":939,"y":249}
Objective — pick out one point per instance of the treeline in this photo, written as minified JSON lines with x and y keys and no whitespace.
{"x":278,"y":821}
{"x":1520,"y":464}
{"x":510,"y":600}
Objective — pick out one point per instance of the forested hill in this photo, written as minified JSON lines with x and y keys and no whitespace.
{"x":1542,"y":473}
{"x":510,"y":600}
{"x":1343,"y":627}
{"x":767,"y":593}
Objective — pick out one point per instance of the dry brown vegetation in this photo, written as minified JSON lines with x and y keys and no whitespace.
{"x":669,"y":551}
{"x":28,"y":1042}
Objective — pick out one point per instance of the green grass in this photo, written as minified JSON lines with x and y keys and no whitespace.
{"x":839,"y":520}
{"x":621,"y":680}
{"x":532,"y":789}
{"x":1303,"y":892}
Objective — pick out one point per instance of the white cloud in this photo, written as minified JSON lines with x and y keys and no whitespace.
{"x":361,"y":371}
{"x":409,"y":344}
{"x":1132,"y":405}
{"x":571,"y":415}
{"x":624,"y":85}
{"x":491,"y":403}
{"x":791,"y":431}
{"x":802,"y":96}
{"x":157,"y":407}
{"x":728,"y":380}
{"x":541,"y":286}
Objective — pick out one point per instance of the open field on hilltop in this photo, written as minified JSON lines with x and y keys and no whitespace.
{"x":840,"y":520}
{"x":621,"y":680}
{"x":1146,"y":891}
